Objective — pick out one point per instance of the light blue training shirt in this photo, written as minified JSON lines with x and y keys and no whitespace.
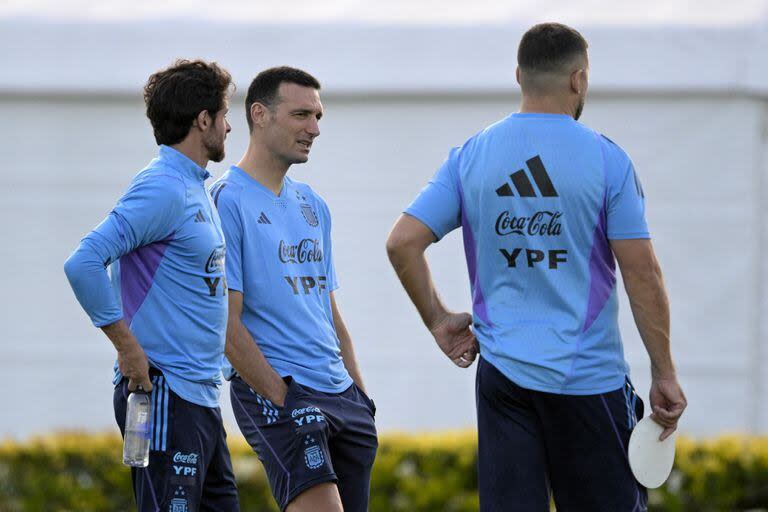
{"x":165,"y":246}
{"x":538,"y":197}
{"x":279,"y":257}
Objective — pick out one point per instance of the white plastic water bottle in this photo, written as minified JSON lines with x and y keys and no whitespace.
{"x":138,"y":420}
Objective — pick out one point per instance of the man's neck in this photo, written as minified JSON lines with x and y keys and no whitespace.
{"x":193,"y":150}
{"x":262,"y":166}
{"x":545,"y":105}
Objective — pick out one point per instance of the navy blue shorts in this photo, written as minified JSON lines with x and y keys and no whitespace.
{"x":189,"y":465}
{"x":532,"y":443}
{"x":316,"y":437}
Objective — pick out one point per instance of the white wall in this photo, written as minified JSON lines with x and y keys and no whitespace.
{"x":68,"y":159}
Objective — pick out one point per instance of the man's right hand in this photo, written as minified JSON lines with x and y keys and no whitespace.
{"x":131,"y":359}
{"x":134,"y":366}
{"x":279,"y":389}
{"x":455,"y":338}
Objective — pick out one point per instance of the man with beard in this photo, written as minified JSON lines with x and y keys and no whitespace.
{"x":297,"y":392}
{"x":545,"y":204}
{"x":165,"y":309}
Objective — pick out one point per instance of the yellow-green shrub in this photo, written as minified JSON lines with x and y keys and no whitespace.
{"x":431,"y":472}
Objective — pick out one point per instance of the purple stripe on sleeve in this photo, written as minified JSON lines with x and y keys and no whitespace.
{"x":602,"y":272}
{"x":137,"y":272}
{"x":470,"y":250}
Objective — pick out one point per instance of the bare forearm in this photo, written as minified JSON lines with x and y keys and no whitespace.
{"x":246,"y":357}
{"x":120,"y":336}
{"x":650,"y":308}
{"x":412,"y":269}
{"x":131,"y":359}
{"x":348,"y":351}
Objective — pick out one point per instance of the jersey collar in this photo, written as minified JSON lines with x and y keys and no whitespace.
{"x":183,"y":163}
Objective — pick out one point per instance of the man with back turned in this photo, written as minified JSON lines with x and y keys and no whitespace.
{"x":546,"y":206}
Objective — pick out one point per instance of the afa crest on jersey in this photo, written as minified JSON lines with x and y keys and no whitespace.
{"x":309,"y":215}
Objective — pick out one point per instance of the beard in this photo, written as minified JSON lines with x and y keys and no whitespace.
{"x":579,"y":109}
{"x":215,"y":149}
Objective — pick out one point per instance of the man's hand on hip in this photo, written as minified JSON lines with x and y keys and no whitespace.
{"x":134,"y":366}
{"x":455,"y":338}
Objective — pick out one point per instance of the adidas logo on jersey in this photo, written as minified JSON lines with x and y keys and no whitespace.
{"x":263,"y":219}
{"x":524,"y":186}
{"x":199,"y":217}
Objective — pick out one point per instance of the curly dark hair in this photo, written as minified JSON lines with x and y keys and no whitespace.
{"x":176,"y":95}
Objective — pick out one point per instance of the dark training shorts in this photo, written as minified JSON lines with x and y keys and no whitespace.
{"x":316,"y":437}
{"x":531,"y":442}
{"x":189,"y":465}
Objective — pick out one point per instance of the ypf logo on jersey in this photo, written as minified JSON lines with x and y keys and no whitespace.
{"x":215,"y":264}
{"x":524,"y":186}
{"x":543,"y":223}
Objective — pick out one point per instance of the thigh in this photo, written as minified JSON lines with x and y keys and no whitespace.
{"x":586,"y":439}
{"x":353,"y":447}
{"x":512,"y":469}
{"x":219,"y":486}
{"x":323,"y":496}
{"x":290,"y":441}
{"x":151,"y":485}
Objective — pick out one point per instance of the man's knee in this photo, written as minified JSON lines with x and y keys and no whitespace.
{"x":322,"y":497}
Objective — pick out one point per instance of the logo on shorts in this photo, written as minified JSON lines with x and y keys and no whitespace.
{"x":184,"y":464}
{"x":185,"y":458}
{"x":179,"y":502}
{"x":313,"y":455}
{"x":179,"y":505}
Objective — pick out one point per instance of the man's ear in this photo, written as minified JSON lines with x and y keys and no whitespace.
{"x":203,"y":120}
{"x":577,"y":81}
{"x":259,"y":114}
{"x":517,"y":74}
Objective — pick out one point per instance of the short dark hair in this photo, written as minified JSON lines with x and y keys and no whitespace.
{"x":176,"y":95}
{"x":263,"y":88}
{"x":549,"y":47}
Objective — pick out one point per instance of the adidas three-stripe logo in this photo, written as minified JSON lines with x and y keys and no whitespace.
{"x":199,"y":217}
{"x":524,"y":186}
{"x":263,"y":219}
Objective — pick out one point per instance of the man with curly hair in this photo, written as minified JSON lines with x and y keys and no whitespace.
{"x":165,"y":308}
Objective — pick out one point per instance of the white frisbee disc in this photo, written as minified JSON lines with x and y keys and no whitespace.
{"x":651,"y":460}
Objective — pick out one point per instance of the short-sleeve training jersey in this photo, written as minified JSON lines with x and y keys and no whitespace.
{"x":279,"y":256}
{"x":538,"y":197}
{"x":164,"y":243}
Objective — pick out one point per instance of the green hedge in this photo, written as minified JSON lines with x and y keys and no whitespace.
{"x":434,"y":472}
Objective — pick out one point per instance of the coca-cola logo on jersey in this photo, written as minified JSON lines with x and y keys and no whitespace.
{"x":185,"y":458}
{"x":542,"y":223}
{"x":215,"y":261}
{"x":306,"y":251}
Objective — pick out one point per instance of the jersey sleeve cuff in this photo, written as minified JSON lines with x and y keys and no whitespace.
{"x":416,"y":214}
{"x":629,"y":236}
{"x":109,"y":321}
{"x":235,"y":287}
